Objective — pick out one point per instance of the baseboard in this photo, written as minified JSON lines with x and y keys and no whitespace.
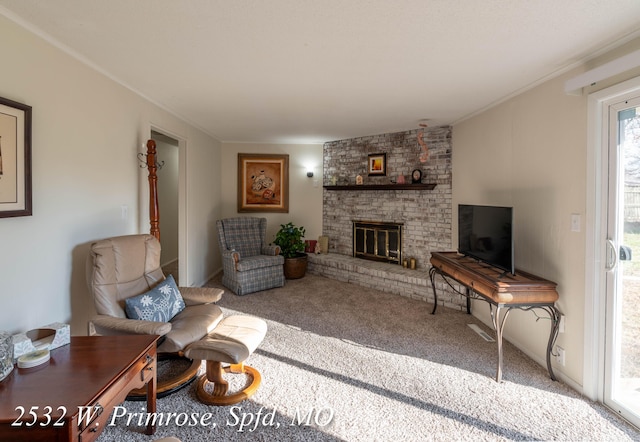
{"x":210,"y":277}
{"x":167,"y":263}
{"x":542,"y":361}
{"x":560,"y":375}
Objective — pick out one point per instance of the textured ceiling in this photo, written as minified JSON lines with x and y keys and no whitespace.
{"x":320,"y":70}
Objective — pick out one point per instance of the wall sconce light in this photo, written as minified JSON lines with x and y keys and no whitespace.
{"x":310,"y":173}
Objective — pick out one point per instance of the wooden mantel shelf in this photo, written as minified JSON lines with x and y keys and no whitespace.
{"x":420,"y":186}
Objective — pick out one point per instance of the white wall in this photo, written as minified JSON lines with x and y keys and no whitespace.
{"x":86,"y":132}
{"x":530,"y":153}
{"x":305,"y":194}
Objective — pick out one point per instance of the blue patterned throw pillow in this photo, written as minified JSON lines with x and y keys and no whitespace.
{"x":161,"y":303}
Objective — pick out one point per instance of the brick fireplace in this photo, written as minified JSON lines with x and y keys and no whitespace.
{"x":424,"y":214}
{"x":377,"y":241}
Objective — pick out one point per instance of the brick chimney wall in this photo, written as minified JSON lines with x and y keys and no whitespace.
{"x":426,"y":214}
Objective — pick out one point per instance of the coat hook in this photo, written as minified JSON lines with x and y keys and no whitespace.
{"x":142,"y":157}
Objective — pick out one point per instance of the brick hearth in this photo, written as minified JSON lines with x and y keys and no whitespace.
{"x":390,"y":278}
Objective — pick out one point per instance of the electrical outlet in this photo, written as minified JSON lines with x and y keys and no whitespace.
{"x":561,"y":324}
{"x":560,"y":355}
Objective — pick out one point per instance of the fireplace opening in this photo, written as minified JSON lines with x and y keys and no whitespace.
{"x":377,"y":241}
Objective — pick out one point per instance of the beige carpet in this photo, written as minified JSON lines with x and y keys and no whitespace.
{"x":369,"y":366}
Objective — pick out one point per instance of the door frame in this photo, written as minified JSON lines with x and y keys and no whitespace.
{"x":143,"y":216}
{"x":596,"y":229}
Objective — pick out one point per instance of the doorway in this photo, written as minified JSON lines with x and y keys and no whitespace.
{"x":168,"y":155}
{"x":622,"y":295}
{"x":612,"y":315}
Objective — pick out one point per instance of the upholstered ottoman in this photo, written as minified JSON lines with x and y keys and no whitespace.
{"x":232,"y":341}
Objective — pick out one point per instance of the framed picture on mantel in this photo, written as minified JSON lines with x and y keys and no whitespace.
{"x":15,"y":159}
{"x":377,"y":164}
{"x":263,"y":183}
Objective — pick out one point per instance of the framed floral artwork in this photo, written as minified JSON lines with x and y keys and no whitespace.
{"x":263,"y":183}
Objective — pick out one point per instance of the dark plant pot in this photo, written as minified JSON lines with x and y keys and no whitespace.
{"x":296,"y":267}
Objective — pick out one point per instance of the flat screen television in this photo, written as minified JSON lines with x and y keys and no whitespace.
{"x":485,"y":233}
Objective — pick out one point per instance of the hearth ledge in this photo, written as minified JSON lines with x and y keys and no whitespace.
{"x":390,"y":278}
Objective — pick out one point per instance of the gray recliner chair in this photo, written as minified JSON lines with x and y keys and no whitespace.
{"x":249,"y":264}
{"x":125,"y":267}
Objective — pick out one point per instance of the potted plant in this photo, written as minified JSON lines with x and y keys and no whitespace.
{"x":289,"y":238}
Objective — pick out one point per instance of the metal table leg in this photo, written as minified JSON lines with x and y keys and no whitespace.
{"x":432,"y":277}
{"x":554,"y":313}
{"x":498,"y":325}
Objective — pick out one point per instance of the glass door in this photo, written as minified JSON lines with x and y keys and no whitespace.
{"x":622,"y":340}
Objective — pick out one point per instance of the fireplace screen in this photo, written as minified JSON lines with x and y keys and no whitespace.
{"x":377,"y":241}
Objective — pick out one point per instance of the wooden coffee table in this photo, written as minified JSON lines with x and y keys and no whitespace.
{"x":71,"y":397}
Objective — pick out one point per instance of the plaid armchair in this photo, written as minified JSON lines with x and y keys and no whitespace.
{"x":249,"y":264}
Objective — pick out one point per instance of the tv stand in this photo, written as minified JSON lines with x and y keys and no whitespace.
{"x":503,"y":292}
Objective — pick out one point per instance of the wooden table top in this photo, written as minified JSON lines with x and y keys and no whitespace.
{"x":495,"y":284}
{"x":76,"y":374}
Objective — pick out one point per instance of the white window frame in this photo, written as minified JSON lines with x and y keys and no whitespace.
{"x":596,"y":224}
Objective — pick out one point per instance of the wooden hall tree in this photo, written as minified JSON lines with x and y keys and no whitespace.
{"x":154,"y":210}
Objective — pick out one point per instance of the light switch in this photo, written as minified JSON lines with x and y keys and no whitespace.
{"x":575,"y":222}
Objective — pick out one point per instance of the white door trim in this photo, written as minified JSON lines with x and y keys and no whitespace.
{"x":595,"y":256}
{"x":143,"y":223}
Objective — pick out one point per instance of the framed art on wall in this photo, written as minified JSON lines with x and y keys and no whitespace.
{"x":263,"y":183}
{"x":377,"y":164}
{"x":15,"y":159}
